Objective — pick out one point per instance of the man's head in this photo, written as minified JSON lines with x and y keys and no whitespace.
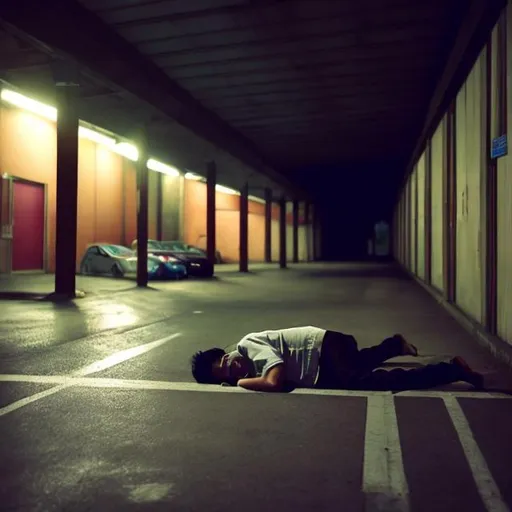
{"x":215,"y":366}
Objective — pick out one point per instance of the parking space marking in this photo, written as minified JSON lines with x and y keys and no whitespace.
{"x":99,"y":382}
{"x":121,"y":357}
{"x":64,"y":382}
{"x":384,"y":481}
{"x":487,"y":488}
{"x":29,"y":399}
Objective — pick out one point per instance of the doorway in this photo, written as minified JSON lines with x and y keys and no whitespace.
{"x":28,"y":226}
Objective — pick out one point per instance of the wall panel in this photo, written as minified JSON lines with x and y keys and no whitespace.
{"x":256,"y":237}
{"x":109,"y":196}
{"x":437,"y":209}
{"x":470,"y":172}
{"x":153,"y":199}
{"x":413,"y":222}
{"x":86,"y":207}
{"x":420,"y":229}
{"x":504,"y":214}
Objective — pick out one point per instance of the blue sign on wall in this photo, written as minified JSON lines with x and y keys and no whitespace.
{"x":499,"y":146}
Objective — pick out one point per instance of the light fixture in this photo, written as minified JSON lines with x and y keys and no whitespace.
{"x":127,"y":150}
{"x":257,"y":199}
{"x":226,"y":190}
{"x":193,"y":176}
{"x":95,"y":136}
{"x":36,"y":107}
{"x":157,"y":166}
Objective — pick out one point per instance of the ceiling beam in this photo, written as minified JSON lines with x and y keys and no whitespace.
{"x":300,"y":95}
{"x":261,"y":49}
{"x":403,"y":61}
{"x":315,"y":19}
{"x":345,"y":80}
{"x":65,"y":27}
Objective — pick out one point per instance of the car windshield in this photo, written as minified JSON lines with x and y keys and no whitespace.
{"x":156,"y":246}
{"x":175,"y":246}
{"x":117,"y":250}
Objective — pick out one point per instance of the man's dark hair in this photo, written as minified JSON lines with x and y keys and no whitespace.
{"x":202,"y":363}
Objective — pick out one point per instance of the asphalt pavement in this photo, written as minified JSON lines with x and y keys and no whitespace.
{"x":98,"y":410}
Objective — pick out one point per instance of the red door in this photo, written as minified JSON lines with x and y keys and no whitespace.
{"x":28,"y":226}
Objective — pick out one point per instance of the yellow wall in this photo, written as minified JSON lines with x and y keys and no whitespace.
{"x":106,"y":182}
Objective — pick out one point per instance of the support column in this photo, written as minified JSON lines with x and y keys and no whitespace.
{"x":313,"y":233}
{"x":159,"y":206}
{"x":282,"y":232}
{"x":244,"y":229}
{"x":142,"y":209}
{"x":268,"y":225}
{"x":307,"y":230}
{"x":295,"y":231}
{"x":66,"y":79}
{"x":211,"y":180}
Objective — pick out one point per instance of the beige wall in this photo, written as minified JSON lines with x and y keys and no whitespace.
{"x":437,"y":201}
{"x":470,"y":173}
{"x":504,"y":207}
{"x":420,"y":243}
{"x":414,"y":220}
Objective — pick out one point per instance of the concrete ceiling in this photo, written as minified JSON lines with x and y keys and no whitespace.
{"x":331,"y":79}
{"x":279,"y":85}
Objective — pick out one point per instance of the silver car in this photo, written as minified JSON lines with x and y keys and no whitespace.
{"x":117,"y":261}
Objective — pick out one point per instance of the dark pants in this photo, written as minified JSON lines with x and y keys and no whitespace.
{"x":344,"y":366}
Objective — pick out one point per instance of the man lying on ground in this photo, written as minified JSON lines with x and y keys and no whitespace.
{"x":310,"y":357}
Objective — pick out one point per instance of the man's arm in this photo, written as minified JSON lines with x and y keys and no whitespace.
{"x":273,"y":381}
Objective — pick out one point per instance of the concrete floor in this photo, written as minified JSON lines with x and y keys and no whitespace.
{"x":98,"y":410}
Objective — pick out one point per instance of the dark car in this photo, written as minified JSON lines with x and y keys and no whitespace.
{"x":178,"y":245}
{"x":195,"y":262}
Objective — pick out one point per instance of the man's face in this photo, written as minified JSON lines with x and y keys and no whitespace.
{"x":231,"y":367}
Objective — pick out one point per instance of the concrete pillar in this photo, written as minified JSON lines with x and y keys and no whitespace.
{"x":66,"y":79}
{"x":268,"y":225}
{"x":295,"y":231}
{"x":282,"y":232}
{"x":159,"y":206}
{"x":307,"y":226}
{"x":211,"y":180}
{"x":316,"y":234}
{"x":244,"y":229}
{"x":142,"y":209}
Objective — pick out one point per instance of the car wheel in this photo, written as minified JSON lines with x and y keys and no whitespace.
{"x":116,"y":271}
{"x":84,"y":269}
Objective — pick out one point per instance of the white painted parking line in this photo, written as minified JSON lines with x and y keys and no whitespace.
{"x":66,"y":381}
{"x":98,"y":382}
{"x":33,"y":398}
{"x":384,"y":482}
{"x":484,"y":480}
{"x":121,"y":357}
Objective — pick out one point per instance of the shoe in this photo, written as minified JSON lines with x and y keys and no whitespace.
{"x":467,"y":374}
{"x":408,"y":349}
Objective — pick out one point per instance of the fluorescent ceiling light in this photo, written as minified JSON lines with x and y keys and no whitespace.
{"x":226,"y":190}
{"x":257,"y":199}
{"x":95,"y":136}
{"x":157,"y":166}
{"x":19,"y":100}
{"x":193,"y":176}
{"x":127,"y":150}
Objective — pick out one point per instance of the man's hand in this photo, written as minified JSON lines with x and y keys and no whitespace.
{"x":273,"y":381}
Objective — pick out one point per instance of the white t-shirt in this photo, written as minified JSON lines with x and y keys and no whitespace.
{"x":297,"y":347}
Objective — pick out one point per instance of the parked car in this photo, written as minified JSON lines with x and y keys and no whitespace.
{"x":117,"y":261}
{"x":200,"y":245}
{"x":179,"y":246}
{"x":196,"y":263}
